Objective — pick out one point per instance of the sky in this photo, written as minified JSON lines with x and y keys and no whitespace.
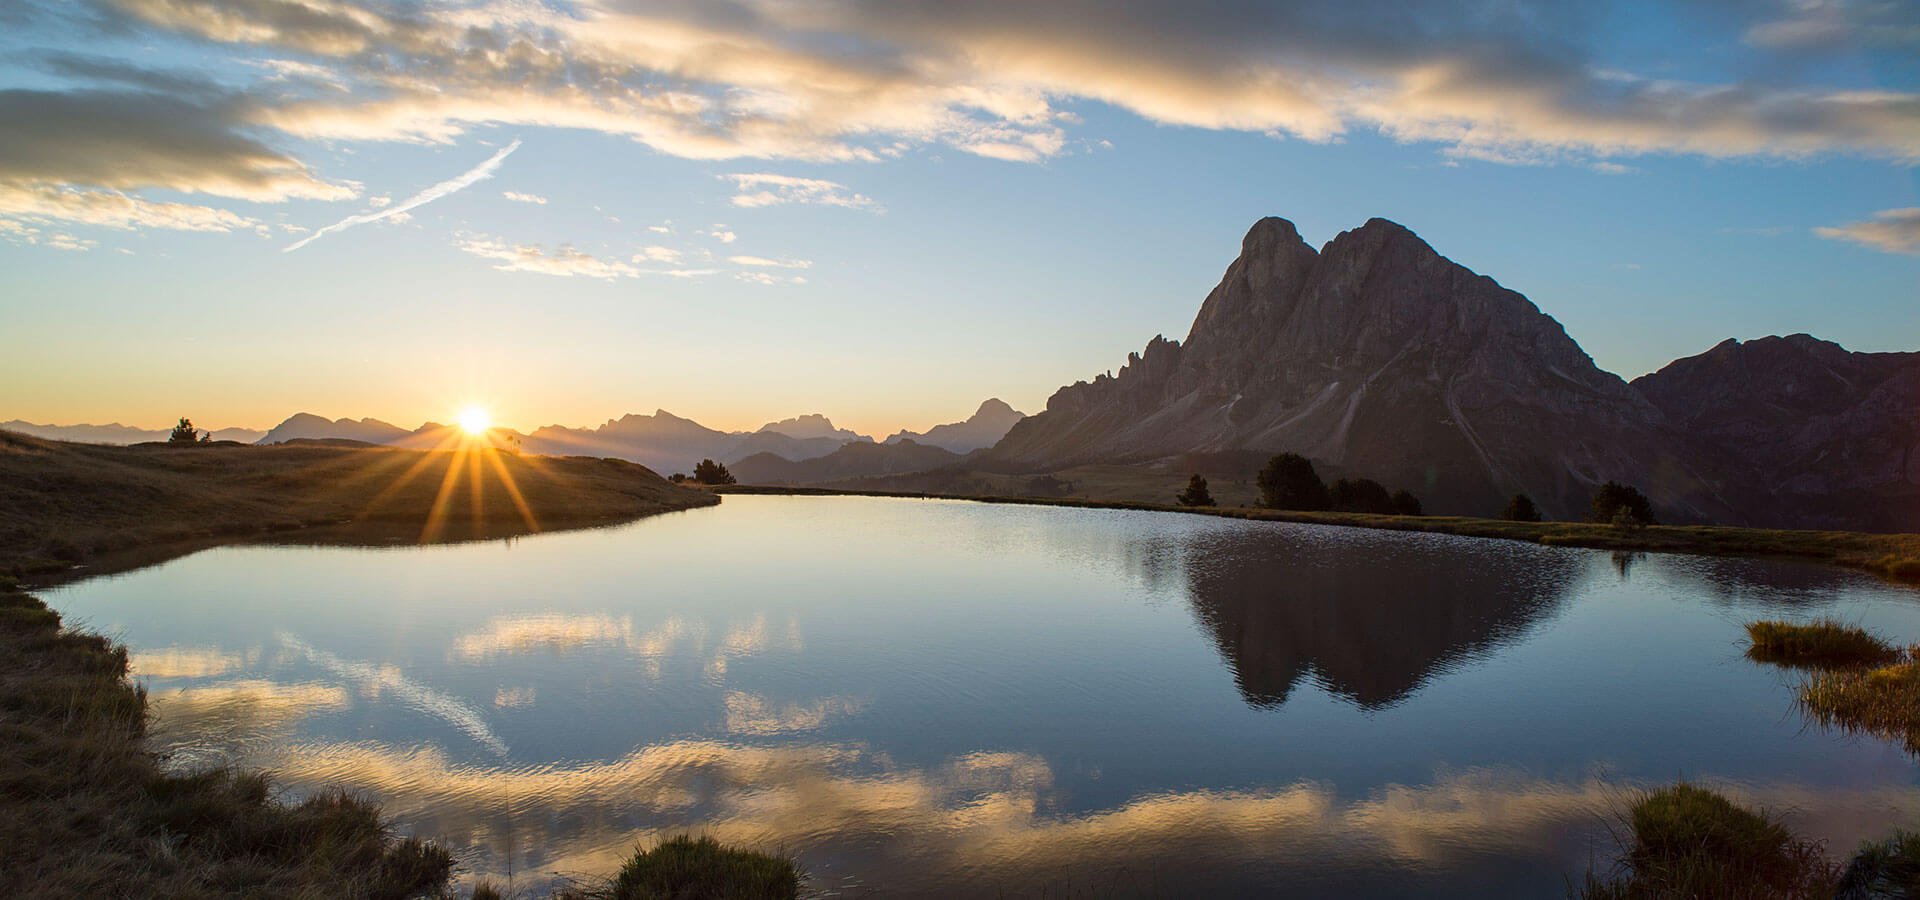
{"x":744,"y":210}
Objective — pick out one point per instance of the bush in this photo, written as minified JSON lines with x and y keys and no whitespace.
{"x":1520,"y":509}
{"x":1196,"y":493}
{"x":1362,"y":495}
{"x":1620,"y":504}
{"x":1406,"y":504}
{"x":686,"y":868}
{"x":1048,"y":486}
{"x":1692,"y":842}
{"x":710,"y":472}
{"x":1289,"y":482}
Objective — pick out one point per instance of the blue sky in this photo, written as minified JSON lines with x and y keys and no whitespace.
{"x":889,"y":212}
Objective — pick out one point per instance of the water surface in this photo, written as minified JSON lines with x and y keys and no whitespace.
{"x":934,"y":697}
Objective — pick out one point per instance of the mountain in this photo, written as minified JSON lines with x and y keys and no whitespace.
{"x":812,"y":426}
{"x":1378,"y":357}
{"x":984,"y":428}
{"x":117,"y":433}
{"x":308,"y":425}
{"x":1832,"y":437}
{"x":852,"y":460}
{"x":668,"y":443}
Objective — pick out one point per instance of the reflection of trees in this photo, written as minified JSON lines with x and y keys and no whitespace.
{"x":1371,"y":618}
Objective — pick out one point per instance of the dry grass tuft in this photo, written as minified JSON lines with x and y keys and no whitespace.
{"x":1822,"y":644}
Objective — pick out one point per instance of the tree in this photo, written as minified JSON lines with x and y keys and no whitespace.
{"x":710,"y":472}
{"x":1406,"y":504}
{"x":1196,"y":493}
{"x":1289,"y":482}
{"x":184,"y":433}
{"x":1520,"y":509}
{"x":1360,"y":495}
{"x":1621,"y":505}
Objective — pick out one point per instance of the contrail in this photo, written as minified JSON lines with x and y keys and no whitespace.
{"x":480,"y":172}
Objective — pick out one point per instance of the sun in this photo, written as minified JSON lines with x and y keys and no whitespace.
{"x":474,"y":421}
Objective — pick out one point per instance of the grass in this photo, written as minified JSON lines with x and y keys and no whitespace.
{"x":1883,"y":701}
{"x":1889,"y":868}
{"x":1821,"y":644}
{"x":63,"y":504}
{"x":1691,"y":842}
{"x":689,"y":868}
{"x":89,"y":813}
{"x":1895,"y":556}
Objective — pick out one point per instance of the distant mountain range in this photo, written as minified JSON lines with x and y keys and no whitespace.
{"x":117,"y":433}
{"x":1377,"y":357}
{"x":851,"y":460}
{"x":984,"y":428}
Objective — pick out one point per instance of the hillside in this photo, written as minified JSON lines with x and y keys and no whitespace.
{"x":850,"y":461}
{"x":76,"y":502}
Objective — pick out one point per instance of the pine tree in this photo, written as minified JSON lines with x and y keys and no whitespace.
{"x":1196,"y":493}
{"x":1289,"y":482}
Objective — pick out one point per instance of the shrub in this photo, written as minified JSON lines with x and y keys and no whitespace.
{"x":1289,"y":482}
{"x":1620,"y":504}
{"x":1048,"y":486}
{"x":1196,"y":493}
{"x":1406,"y":504}
{"x":686,"y":868}
{"x":1520,"y":509}
{"x":1360,"y":495}
{"x":710,"y":472}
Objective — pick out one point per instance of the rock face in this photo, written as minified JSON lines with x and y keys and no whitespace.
{"x":1378,"y":357}
{"x":1830,"y":438}
{"x":984,"y":428}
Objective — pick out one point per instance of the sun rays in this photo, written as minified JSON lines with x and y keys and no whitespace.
{"x":471,"y":453}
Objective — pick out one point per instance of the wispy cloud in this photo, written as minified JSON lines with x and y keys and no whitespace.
{"x":564,"y":261}
{"x":765,"y":263}
{"x":519,"y":197}
{"x":756,"y":189}
{"x":461,"y":182}
{"x":1890,"y":231}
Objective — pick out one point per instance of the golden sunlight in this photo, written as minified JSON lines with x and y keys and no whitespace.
{"x":474,"y":421}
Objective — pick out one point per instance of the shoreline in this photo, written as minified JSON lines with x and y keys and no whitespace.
{"x":1895,"y":557}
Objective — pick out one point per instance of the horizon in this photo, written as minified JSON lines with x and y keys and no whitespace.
{"x":888,"y":216}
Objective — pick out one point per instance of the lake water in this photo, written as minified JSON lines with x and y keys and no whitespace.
{"x":932,"y":697}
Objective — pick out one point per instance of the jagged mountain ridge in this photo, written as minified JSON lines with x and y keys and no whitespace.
{"x":1378,"y":357}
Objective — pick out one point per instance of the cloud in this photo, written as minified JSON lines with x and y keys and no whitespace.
{"x":657,"y":254}
{"x":131,"y":140}
{"x":757,"y":189}
{"x":722,"y":235}
{"x":763,"y":262}
{"x":1890,"y":230}
{"x":112,"y":209}
{"x":452,"y":185}
{"x":564,"y":261}
{"x":1830,"y":25}
{"x":518,"y":197}
{"x":851,"y":80}
{"x":15,"y":232}
{"x":769,"y":279}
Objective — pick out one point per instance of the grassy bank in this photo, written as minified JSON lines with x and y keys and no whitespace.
{"x":1895,"y":556}
{"x":63,"y":504}
{"x":88,"y":813}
